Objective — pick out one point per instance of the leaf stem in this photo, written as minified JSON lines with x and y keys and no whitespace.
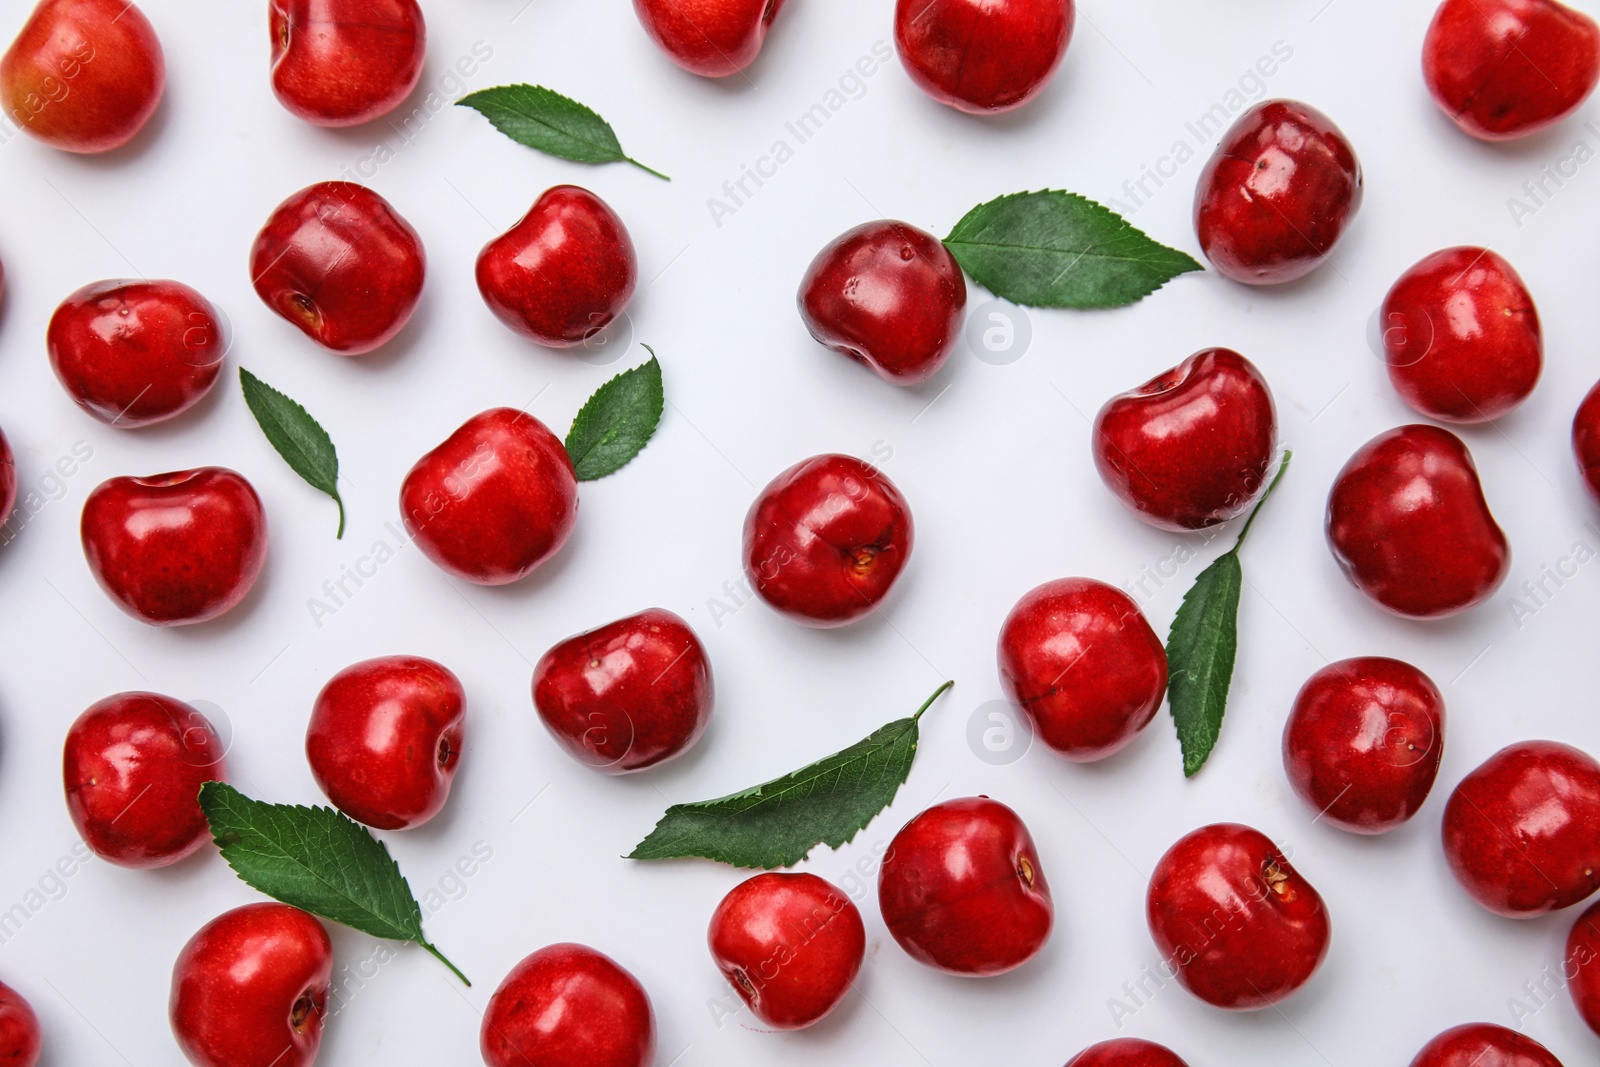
{"x":436,"y":954}
{"x":647,"y":170}
{"x":1276,"y":478}
{"x":339,"y":501}
{"x":926,"y":704}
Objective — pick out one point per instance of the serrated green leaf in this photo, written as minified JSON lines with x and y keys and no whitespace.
{"x":1058,"y":249}
{"x":778,"y":823}
{"x":1203,"y":644}
{"x":545,"y":120}
{"x":317,"y":860}
{"x":617,"y":422}
{"x":299,"y":438}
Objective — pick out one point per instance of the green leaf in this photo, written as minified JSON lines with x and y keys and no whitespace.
{"x":617,"y":422}
{"x":551,"y":123}
{"x":1202,"y":646}
{"x":317,"y":860}
{"x":1058,"y":249}
{"x":778,"y":823}
{"x":298,"y":437}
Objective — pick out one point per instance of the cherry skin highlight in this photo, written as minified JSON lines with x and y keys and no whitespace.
{"x":961,"y":889}
{"x":826,"y":539}
{"x":1276,"y":196}
{"x":1126,"y":1052}
{"x":132,"y":767}
{"x":1191,"y":447}
{"x":1484,"y":1045}
{"x":135,"y":353}
{"x":1507,"y":68}
{"x":630,"y":695}
{"x":889,"y":296}
{"x":982,"y":56}
{"x":1520,"y":831}
{"x":1461,"y":336}
{"x":1363,"y":743}
{"x":711,"y":38}
{"x":791,"y":946}
{"x":1408,"y":525}
{"x":568,"y":1006}
{"x":1081,"y":661}
{"x":344,"y":62}
{"x":384,"y":741}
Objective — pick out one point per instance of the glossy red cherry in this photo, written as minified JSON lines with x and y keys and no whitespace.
{"x":337,"y":261}
{"x":83,"y":75}
{"x":384,"y":741}
{"x":1409,"y":526}
{"x":889,"y":296}
{"x":342,"y":62}
{"x":251,"y":987}
{"x":133,"y":353}
{"x":175,"y":548}
{"x":629,"y":695}
{"x":1484,"y":1045}
{"x":982,"y":56}
{"x":1581,"y":966}
{"x":563,"y":272}
{"x":1461,"y":336}
{"x":1522,"y":832}
{"x":826,"y":539}
{"x":1126,"y":1052}
{"x":961,"y":889}
{"x":1277,"y":195}
{"x":712,"y":38}
{"x":791,"y":945}
{"x":1080,"y":660}
{"x":1240,"y":926}
{"x":20,"y":1040}
{"x":1189,"y":448}
{"x":8,"y":480}
{"x":1506,"y":68}
{"x":495,"y":500}
{"x":568,"y":1006}
{"x":133,"y":767}
{"x":1363,"y":743}
{"x":1586,"y":441}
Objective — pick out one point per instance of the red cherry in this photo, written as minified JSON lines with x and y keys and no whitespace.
{"x":1240,"y":926}
{"x":1409,"y":526}
{"x":175,"y":548}
{"x":1079,"y":659}
{"x":568,"y":1006}
{"x":629,"y":695}
{"x":384,"y":741}
{"x":1586,"y":441}
{"x":495,"y":500}
{"x":1581,"y":966}
{"x":83,"y":75}
{"x":791,"y":945}
{"x":337,"y":261}
{"x":8,"y":480}
{"x":1189,"y":448}
{"x":826,"y":539}
{"x":133,"y":767}
{"x":961,"y":889}
{"x":563,"y":272}
{"x":251,"y":987}
{"x":1276,"y":196}
{"x":20,"y":1040}
{"x":343,"y":62}
{"x":1484,"y":1045}
{"x":712,"y":38}
{"x":1461,"y":336}
{"x":982,"y":56}
{"x":889,"y":296}
{"x":1506,"y":68}
{"x":1522,"y":832}
{"x":1363,"y":743}
{"x":134,"y":353}
{"x":1126,"y":1052}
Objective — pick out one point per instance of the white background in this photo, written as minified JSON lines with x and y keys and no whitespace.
{"x":994,"y":460}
